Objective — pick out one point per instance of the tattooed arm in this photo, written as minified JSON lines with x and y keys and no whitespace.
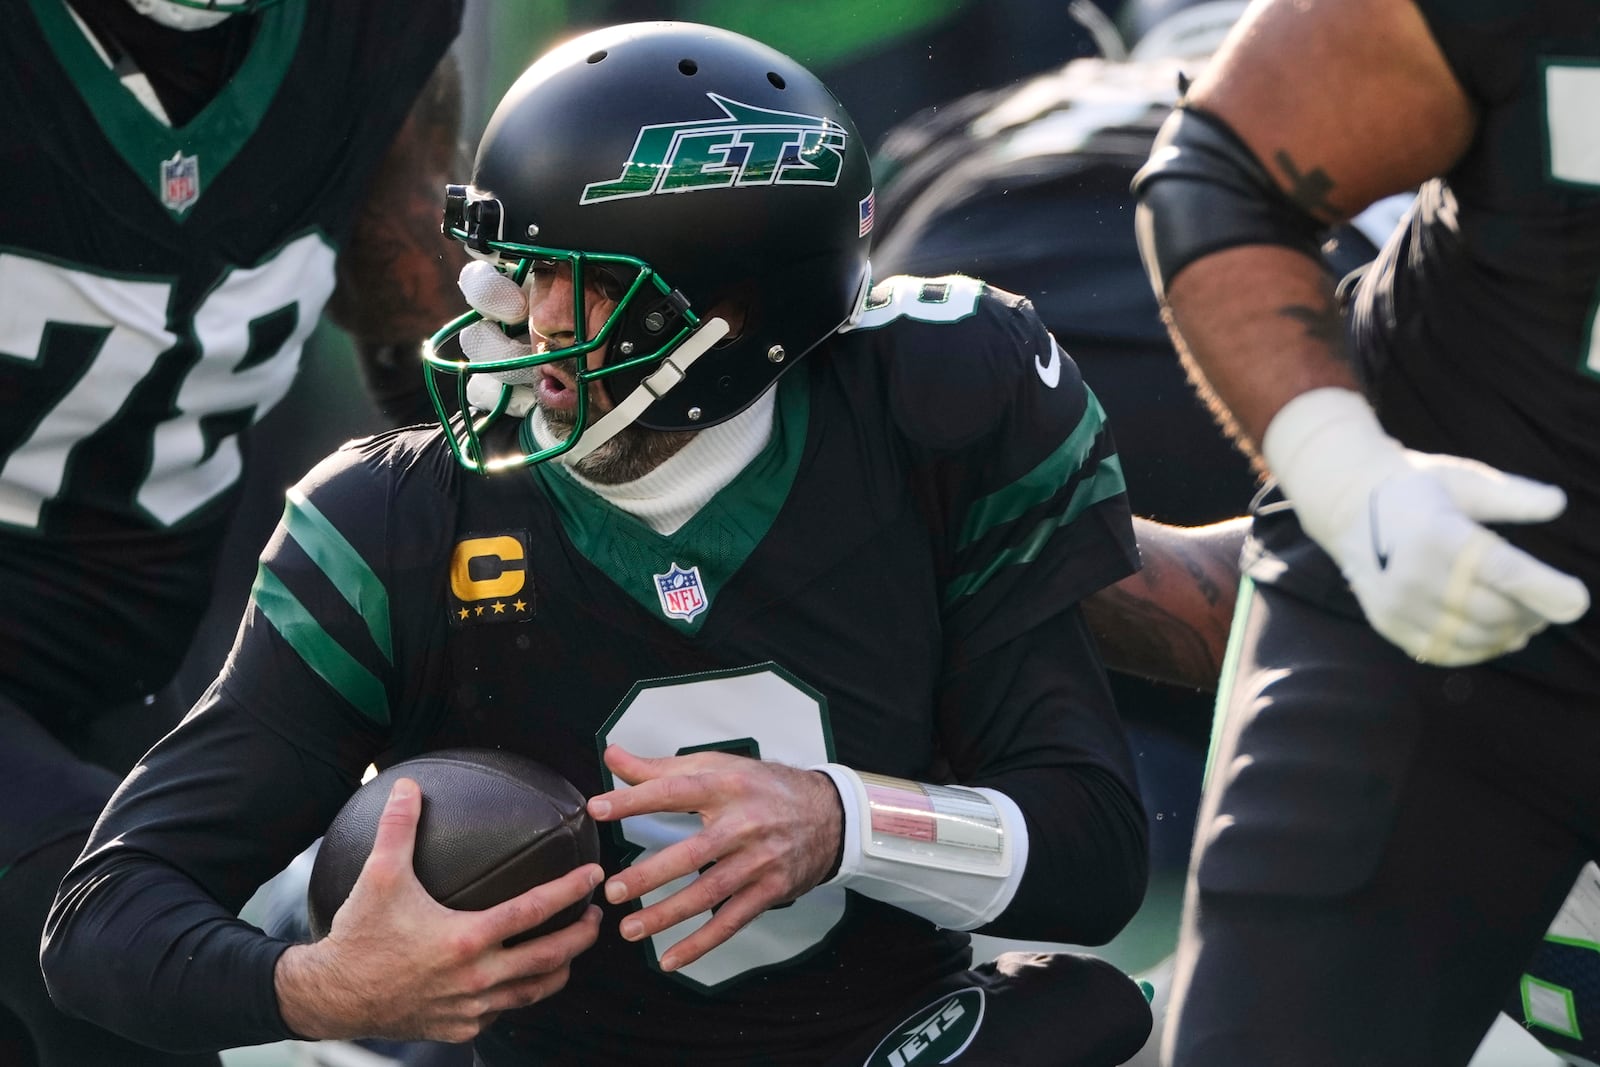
{"x":1342,"y":102}
{"x":1311,"y":110}
{"x":397,"y":275}
{"x":1170,"y":621}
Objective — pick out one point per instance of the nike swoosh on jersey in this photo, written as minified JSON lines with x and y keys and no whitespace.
{"x":1050,"y":373}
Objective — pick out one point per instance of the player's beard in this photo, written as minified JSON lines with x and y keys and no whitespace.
{"x":632,"y":453}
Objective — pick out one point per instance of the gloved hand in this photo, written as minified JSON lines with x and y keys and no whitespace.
{"x":1406,"y":530}
{"x":500,"y":301}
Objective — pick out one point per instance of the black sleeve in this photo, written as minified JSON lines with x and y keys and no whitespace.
{"x":1034,"y":518}
{"x":1034,"y":719}
{"x":1018,"y":471}
{"x":143,"y":938}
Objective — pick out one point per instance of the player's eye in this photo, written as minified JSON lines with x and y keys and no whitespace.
{"x":608,"y":283}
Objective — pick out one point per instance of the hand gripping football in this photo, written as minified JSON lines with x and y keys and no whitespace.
{"x":493,"y":825}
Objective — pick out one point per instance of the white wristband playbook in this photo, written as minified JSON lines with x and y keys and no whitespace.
{"x":948,"y":853}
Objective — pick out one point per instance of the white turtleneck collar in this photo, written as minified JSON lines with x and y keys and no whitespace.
{"x":674,"y":492}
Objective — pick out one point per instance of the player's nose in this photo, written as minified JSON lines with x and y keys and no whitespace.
{"x":550,"y":304}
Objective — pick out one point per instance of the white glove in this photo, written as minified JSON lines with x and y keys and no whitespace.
{"x":1404,"y":528}
{"x":499,"y":300}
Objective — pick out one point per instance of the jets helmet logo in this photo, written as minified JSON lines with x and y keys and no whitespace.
{"x":744,"y":146}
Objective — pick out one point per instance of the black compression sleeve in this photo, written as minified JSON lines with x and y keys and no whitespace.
{"x":184,"y":976}
{"x":1087,"y":857}
{"x":142,"y":939}
{"x":1035,"y":720}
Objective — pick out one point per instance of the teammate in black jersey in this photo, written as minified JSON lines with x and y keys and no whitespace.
{"x":183,"y":191}
{"x":658,"y":543}
{"x":1403,"y":787}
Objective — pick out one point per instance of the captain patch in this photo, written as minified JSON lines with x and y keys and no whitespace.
{"x":489,"y":579}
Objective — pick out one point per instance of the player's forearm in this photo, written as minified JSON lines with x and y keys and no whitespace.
{"x":1034,"y":720}
{"x":1257,"y":326}
{"x":313,"y":1002}
{"x":1170,"y":621}
{"x":136,"y":947}
{"x":1088,"y":860}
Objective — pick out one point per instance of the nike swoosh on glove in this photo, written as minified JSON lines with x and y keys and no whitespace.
{"x":1407,"y":530}
{"x":501,"y":334}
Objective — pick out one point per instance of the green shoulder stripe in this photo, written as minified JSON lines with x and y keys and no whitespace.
{"x":342,"y":564}
{"x":320,"y":652}
{"x":1104,"y":483}
{"x":1040,"y":484}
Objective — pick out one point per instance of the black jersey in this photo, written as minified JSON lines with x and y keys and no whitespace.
{"x":1476,"y":328}
{"x":156,"y":287}
{"x":939,"y":491}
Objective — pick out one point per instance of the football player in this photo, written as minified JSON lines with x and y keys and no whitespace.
{"x":1402,"y":792}
{"x":186,"y":187}
{"x":780,"y":567}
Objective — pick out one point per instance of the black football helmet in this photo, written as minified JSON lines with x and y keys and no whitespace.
{"x":695,"y":168}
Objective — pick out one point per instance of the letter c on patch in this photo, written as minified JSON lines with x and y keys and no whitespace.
{"x":484,"y":567}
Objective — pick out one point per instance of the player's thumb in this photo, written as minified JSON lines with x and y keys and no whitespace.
{"x":1552,"y":594}
{"x":397,"y":827}
{"x":1490,"y":495}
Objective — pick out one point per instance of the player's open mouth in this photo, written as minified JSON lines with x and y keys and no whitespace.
{"x":556,"y":391}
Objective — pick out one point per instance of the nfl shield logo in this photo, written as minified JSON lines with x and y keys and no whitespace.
{"x":681,"y":592}
{"x":180,"y":182}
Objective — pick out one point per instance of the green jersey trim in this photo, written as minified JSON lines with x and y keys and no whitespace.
{"x":213,"y":137}
{"x":1106,"y":482}
{"x":1040,"y":484}
{"x":320,"y":652}
{"x":720,"y":536}
{"x":345,"y":569}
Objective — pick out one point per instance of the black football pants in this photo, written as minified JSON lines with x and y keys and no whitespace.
{"x":1380,"y":848}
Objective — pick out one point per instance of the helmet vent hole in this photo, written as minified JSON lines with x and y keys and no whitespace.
{"x":776,"y":79}
{"x":688,"y":68}
{"x":595,"y":57}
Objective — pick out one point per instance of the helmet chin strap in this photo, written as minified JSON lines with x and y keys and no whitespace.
{"x":653,"y":388}
{"x":178,"y":16}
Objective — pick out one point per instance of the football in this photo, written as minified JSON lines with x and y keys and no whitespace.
{"x":493,"y":825}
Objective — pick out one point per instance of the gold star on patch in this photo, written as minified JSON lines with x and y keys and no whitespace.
{"x":520,"y":605}
{"x":499,"y":608}
{"x":463,"y":613}
{"x":478,"y":610}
